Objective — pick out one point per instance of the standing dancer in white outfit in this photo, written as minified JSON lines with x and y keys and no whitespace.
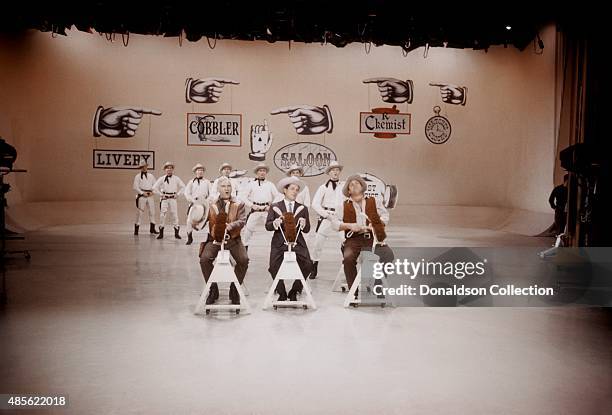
{"x":143,"y":186}
{"x":259,"y":194}
{"x":326,"y":201}
{"x":169,"y":187}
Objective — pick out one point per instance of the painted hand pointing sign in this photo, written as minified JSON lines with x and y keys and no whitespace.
{"x":452,"y":94}
{"x":261,"y":141}
{"x":393,"y":90}
{"x":207,"y":90}
{"x":308,"y":119}
{"x":119,"y":121}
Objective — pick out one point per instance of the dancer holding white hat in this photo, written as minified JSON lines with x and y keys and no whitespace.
{"x":326,"y":201}
{"x":169,"y":187}
{"x":197,"y":192}
{"x":143,"y":186}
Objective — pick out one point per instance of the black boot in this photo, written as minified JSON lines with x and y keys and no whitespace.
{"x":136,"y":229}
{"x":161,"y":233}
{"x":233,"y":295}
{"x":189,"y":238}
{"x":282,"y":293}
{"x":213,"y":294}
{"x":152,"y":229}
{"x":176,"y":233}
{"x":313,"y":273}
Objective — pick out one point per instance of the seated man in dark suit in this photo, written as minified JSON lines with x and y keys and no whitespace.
{"x":285,"y":218}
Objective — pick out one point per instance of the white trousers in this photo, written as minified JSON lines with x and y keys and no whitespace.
{"x":255,"y":220}
{"x":145,"y":203}
{"x":324,"y":232}
{"x":168,"y":208}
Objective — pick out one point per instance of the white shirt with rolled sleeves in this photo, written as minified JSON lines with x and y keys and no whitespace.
{"x":260,"y":192}
{"x":197,"y":190}
{"x":257,"y":193}
{"x":327,"y":197}
{"x":174,"y":184}
{"x":142,"y":185}
{"x":360,"y":210}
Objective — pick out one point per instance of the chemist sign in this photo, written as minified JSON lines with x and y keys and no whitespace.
{"x":214,"y":129}
{"x":122,"y":159}
{"x":384,"y":122}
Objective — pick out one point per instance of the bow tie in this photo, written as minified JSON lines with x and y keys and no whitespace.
{"x":143,"y":176}
{"x":334,"y":183}
{"x":167,"y":179}
{"x":259,"y":180}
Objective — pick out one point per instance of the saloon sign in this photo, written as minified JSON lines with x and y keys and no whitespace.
{"x":384,"y":122}
{"x":214,"y":129}
{"x":312,"y":157}
{"x":121,"y":159}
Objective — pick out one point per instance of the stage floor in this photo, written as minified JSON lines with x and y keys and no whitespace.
{"x":107,"y":318}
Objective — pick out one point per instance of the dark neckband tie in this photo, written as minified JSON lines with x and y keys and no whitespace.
{"x":167,"y":179}
{"x":198,"y":179}
{"x":143,"y":176}
{"x":259,"y":180}
{"x":334,"y":183}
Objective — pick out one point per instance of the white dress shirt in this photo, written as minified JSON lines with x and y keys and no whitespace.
{"x":256,"y":191}
{"x":169,"y":184}
{"x":143,"y":182}
{"x":197,"y":190}
{"x":327,"y":197}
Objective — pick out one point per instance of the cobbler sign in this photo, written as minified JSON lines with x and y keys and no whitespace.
{"x":214,"y":129}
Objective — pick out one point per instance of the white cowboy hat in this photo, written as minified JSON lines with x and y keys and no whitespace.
{"x":293,"y":168}
{"x":332,"y":165}
{"x":261,"y":166}
{"x":168,"y":163}
{"x":198,"y":213}
{"x":198,"y":166}
{"x":286,"y":181}
{"x":224,"y":165}
{"x":345,"y":189}
{"x":143,"y":164}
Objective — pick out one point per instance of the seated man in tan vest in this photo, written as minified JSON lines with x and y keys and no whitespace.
{"x":226,"y":219}
{"x":361,"y":218}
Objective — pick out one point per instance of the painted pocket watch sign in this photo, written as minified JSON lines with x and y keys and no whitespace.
{"x":438,"y":128}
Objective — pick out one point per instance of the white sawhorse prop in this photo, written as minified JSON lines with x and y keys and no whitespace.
{"x":222,"y":272}
{"x":340,"y":281}
{"x":289,"y":271}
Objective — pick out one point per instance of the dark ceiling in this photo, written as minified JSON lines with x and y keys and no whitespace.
{"x":396,"y":23}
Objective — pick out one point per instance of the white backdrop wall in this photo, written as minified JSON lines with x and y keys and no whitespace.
{"x":501,"y":152}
